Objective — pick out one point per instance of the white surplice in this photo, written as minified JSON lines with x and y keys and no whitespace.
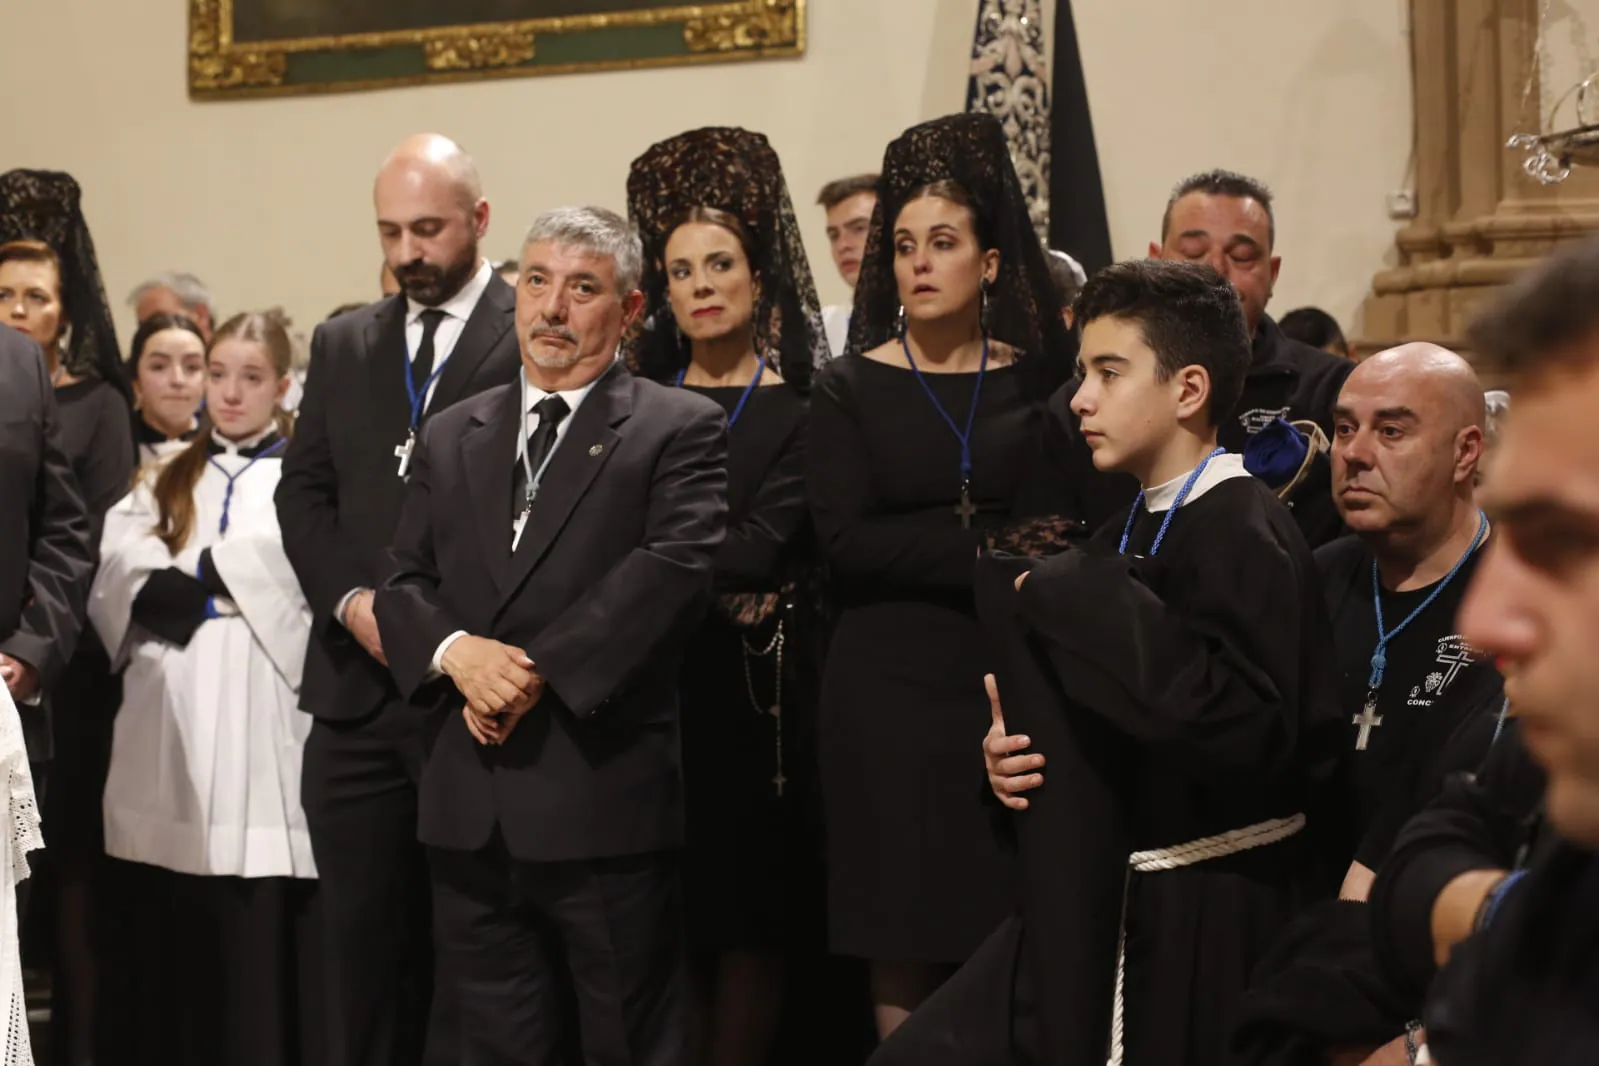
{"x":22,"y":825}
{"x":205,"y":758}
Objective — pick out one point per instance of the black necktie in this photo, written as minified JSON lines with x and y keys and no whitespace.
{"x":422,"y":365}
{"x":551,"y":410}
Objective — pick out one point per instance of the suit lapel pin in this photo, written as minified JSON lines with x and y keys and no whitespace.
{"x":597,"y":449}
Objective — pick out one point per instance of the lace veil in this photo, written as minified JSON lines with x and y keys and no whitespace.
{"x":736,"y":171}
{"x":1024,"y":308}
{"x":45,"y":205}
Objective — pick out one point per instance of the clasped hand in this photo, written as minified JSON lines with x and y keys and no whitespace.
{"x":20,"y":677}
{"x":499,"y":683}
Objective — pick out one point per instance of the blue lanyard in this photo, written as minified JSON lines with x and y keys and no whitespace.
{"x":732,"y":419}
{"x":1379,"y":657}
{"x":971,"y":415}
{"x":1165,"y":523}
{"x":419,"y":397}
{"x":227,"y":497}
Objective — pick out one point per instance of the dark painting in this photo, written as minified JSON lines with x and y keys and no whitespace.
{"x":280,"y":20}
{"x":241,"y":48}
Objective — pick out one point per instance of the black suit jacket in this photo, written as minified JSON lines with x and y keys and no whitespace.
{"x":46,"y":556}
{"x":610,"y":580}
{"x":341,"y":493}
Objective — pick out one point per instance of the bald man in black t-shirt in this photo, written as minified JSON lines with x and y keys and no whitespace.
{"x":1407,"y":440}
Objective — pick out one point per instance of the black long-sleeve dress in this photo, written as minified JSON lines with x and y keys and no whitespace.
{"x":916,"y":871}
{"x":97,"y":435}
{"x":741,"y":786}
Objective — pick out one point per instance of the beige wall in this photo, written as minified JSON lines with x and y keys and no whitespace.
{"x":1570,"y":42}
{"x":270,"y":200}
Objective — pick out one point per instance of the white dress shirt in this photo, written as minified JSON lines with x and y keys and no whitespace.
{"x":835,"y":323}
{"x":457,"y":309}
{"x":534,"y":395}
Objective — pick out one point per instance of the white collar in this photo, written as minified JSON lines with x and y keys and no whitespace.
{"x":462,"y":303}
{"x":1222,"y":468}
{"x":533,"y":394}
{"x":233,"y":447}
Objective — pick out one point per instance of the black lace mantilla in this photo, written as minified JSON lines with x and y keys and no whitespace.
{"x":1024,"y":308}
{"x":736,"y":171}
{"x":45,"y":205}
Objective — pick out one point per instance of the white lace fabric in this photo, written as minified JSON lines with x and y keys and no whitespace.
{"x":23,"y":809}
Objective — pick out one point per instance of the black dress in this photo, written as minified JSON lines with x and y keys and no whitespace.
{"x":916,"y":871}
{"x":740,"y":795}
{"x":97,"y":434}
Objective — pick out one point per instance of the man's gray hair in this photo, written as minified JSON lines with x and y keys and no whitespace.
{"x":190,"y":290}
{"x":597,"y":230}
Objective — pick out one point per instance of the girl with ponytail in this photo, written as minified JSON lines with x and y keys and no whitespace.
{"x":202,"y":803}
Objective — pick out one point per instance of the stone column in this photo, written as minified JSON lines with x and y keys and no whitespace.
{"x":1480,"y":219}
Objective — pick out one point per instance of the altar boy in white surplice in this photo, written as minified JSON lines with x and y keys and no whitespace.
{"x":196,"y":598}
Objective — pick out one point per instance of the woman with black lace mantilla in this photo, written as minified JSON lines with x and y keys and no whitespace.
{"x":731,"y":313}
{"x":924,"y":443}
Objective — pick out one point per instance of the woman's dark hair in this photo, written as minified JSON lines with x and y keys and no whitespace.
{"x":159,"y":322}
{"x":174,"y":485}
{"x":959,"y":195}
{"x":714,"y":216}
{"x":1189,"y":316}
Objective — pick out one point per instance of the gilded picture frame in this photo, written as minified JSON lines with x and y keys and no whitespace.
{"x":250,"y":48}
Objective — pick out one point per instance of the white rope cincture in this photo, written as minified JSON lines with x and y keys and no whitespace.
{"x":1155,"y":860}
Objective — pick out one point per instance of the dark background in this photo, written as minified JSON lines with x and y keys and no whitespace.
{"x":275,"y":20}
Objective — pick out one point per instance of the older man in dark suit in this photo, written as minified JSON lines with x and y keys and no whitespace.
{"x":378,"y":375}
{"x":553,"y":557}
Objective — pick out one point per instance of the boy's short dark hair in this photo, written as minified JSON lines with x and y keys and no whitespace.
{"x":836,"y":192}
{"x":1547,"y":319}
{"x":1189,"y":316}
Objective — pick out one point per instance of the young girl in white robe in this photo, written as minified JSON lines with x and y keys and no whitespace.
{"x":195,"y":596}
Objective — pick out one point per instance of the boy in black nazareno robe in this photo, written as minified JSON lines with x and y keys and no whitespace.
{"x":1174,"y":672}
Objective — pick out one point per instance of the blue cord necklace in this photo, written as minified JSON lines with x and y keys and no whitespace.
{"x":1165,"y":523}
{"x":963,"y":510}
{"x":1368,"y":718}
{"x":417,"y":398}
{"x":1379,"y":657}
{"x":732,"y":419}
{"x":227,"y":497}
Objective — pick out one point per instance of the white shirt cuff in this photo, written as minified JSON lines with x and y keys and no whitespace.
{"x":436,"y":668}
{"x":344,"y":605}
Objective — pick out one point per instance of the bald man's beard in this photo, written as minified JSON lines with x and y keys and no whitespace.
{"x":431,"y":285}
